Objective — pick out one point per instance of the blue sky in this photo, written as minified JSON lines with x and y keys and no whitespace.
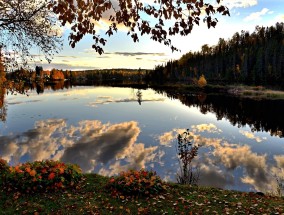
{"x":121,"y":52}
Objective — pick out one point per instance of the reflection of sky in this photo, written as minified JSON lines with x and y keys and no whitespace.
{"x":228,"y":164}
{"x":106,"y":100}
{"x":121,"y":134}
{"x":90,"y":144}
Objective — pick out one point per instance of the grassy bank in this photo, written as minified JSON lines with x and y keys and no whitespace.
{"x":92,"y":196}
{"x":253,"y":92}
{"x":256,"y":92}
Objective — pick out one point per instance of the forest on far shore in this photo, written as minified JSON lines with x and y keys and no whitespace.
{"x":247,"y":58}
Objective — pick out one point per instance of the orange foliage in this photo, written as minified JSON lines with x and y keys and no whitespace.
{"x":56,"y":75}
{"x":61,"y":170}
{"x":39,"y":175}
{"x":17,"y":169}
{"x":28,"y":169}
{"x":202,"y":81}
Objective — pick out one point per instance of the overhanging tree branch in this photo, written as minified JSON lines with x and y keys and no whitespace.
{"x":135,"y":16}
{"x":24,"y":25}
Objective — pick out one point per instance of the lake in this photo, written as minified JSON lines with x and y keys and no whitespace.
{"x":110,"y":129}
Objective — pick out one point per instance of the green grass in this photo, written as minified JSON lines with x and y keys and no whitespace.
{"x":94,"y":197}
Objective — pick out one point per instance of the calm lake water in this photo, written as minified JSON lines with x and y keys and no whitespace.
{"x":107,"y":130}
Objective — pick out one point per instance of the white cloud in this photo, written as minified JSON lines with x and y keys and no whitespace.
{"x":250,"y":135}
{"x":271,"y":12}
{"x":136,"y":156}
{"x":239,"y":3}
{"x":108,"y":99}
{"x":257,"y":15}
{"x":167,"y":138}
{"x":210,"y":128}
{"x":279,"y":18}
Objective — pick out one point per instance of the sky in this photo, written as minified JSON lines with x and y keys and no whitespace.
{"x":121,"y":52}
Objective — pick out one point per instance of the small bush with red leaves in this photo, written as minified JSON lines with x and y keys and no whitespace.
{"x":42,"y":176}
{"x":137,"y":182}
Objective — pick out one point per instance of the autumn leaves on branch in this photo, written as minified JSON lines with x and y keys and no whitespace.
{"x":160,"y":19}
{"x":25,"y":25}
{"x":29,"y":24}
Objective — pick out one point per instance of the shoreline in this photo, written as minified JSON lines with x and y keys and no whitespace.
{"x":242,"y":91}
{"x":236,"y":90}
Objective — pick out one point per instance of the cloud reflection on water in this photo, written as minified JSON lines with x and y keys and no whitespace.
{"x":108,"y":99}
{"x":220,"y":161}
{"x":89,"y":144}
{"x":39,"y":143}
{"x":251,"y":135}
{"x":110,"y":148}
{"x":101,"y":143}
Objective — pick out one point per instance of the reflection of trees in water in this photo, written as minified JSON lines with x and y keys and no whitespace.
{"x":3,"y":107}
{"x":3,"y":110}
{"x":40,"y":87}
{"x":58,"y":85}
{"x":139,"y":96}
{"x":262,"y":115}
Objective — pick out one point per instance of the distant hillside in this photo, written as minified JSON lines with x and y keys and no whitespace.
{"x":256,"y":58}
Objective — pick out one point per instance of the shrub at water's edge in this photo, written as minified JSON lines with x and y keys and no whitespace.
{"x":49,"y":175}
{"x":134,"y":182}
{"x":39,"y":176}
{"x":52,"y":175}
{"x":187,"y":151}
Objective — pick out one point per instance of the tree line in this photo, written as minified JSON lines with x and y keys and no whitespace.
{"x":249,"y":58}
{"x":37,"y":75}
